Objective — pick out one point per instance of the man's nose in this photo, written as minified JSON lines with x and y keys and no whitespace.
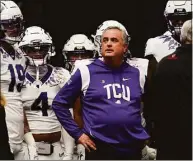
{"x":109,"y":43}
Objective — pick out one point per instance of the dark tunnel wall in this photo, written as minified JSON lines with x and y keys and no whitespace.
{"x":61,"y":18}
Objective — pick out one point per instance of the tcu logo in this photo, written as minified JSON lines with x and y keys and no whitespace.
{"x":112,"y":91}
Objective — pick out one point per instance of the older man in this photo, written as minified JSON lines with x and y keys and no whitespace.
{"x":110,"y":91}
{"x":170,"y":106}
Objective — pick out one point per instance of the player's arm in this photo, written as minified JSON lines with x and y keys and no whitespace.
{"x":26,"y":125}
{"x":151,"y":67}
{"x":78,"y":113}
{"x":29,"y":139}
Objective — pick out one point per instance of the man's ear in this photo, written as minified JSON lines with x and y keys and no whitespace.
{"x":125,"y":48}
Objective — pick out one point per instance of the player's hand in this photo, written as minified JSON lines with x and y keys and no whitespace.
{"x":33,"y":154}
{"x":148,"y":153}
{"x":67,"y":157}
{"x":87,"y":142}
{"x":81,"y":152}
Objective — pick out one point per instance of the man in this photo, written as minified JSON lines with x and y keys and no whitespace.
{"x":147,"y":152}
{"x":176,"y":13}
{"x":42,"y":83}
{"x":171,"y":101}
{"x":110,"y":91}
{"x":12,"y":75}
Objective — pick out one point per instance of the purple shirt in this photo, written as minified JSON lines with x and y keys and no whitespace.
{"x":111,"y":102}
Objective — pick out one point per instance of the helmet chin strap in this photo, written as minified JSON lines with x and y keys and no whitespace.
{"x":37,"y":81}
{"x":12,"y":40}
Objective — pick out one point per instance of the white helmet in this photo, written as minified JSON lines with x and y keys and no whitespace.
{"x":37,"y":45}
{"x":78,"y":47}
{"x":176,"y":13}
{"x":102,"y":27}
{"x":11,"y":21}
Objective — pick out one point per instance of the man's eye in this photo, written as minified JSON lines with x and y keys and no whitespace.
{"x":105,"y":40}
{"x":114,"y":40}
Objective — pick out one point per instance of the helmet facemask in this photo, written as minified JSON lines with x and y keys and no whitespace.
{"x":37,"y":54}
{"x":176,"y":13}
{"x":175,"y":22}
{"x":11,"y":21}
{"x":78,"y":47}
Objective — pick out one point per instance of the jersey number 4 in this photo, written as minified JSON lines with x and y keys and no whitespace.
{"x":20,"y":74}
{"x":43,"y":99}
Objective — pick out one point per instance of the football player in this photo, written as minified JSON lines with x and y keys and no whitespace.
{"x":77,"y":50}
{"x":78,"y":47}
{"x":176,"y":13}
{"x":42,"y":83}
{"x":12,"y":75}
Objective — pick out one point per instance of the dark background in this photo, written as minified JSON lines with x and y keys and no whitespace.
{"x":63,"y":18}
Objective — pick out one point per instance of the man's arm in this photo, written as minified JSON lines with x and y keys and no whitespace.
{"x":147,"y":97}
{"x":65,"y":100}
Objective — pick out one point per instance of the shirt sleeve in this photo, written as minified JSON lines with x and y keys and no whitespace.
{"x":64,"y":100}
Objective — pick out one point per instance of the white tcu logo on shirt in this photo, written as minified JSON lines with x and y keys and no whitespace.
{"x":112,"y":91}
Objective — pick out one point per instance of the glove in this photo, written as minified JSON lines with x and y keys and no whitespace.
{"x":31,"y":144}
{"x":67,"y":157}
{"x":81,"y":152}
{"x":33,"y":154}
{"x":148,"y":153}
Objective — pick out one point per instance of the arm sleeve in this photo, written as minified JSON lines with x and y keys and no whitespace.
{"x":64,"y":100}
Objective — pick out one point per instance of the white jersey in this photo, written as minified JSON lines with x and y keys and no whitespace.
{"x":79,"y":63}
{"x":12,"y":76}
{"x":37,"y":97}
{"x":161,"y":46}
{"x":142,"y":65}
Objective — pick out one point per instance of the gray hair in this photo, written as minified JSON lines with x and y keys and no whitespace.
{"x":186,"y":32}
{"x":125,"y":36}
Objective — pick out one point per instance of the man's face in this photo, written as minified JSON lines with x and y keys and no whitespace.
{"x":79,"y":56}
{"x":12,"y":29}
{"x":113,"y":44}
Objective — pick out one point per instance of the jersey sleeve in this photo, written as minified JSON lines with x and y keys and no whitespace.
{"x":149,"y":47}
{"x":142,"y":66}
{"x":64,"y":101}
{"x":62,"y":76}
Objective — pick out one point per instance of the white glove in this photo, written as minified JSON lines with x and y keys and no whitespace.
{"x":81,"y":152}
{"x":67,"y":157}
{"x":33,"y":154}
{"x":31,"y":144}
{"x":148,"y":153}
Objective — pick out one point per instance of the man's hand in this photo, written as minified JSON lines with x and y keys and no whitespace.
{"x":87,"y":142}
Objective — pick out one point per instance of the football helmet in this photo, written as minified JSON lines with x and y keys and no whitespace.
{"x":78,"y":47}
{"x":12,"y":23}
{"x":176,"y":13}
{"x":37,"y":45}
{"x":102,"y":27}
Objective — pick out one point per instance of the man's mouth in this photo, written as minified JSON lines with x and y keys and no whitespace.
{"x":109,"y":51}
